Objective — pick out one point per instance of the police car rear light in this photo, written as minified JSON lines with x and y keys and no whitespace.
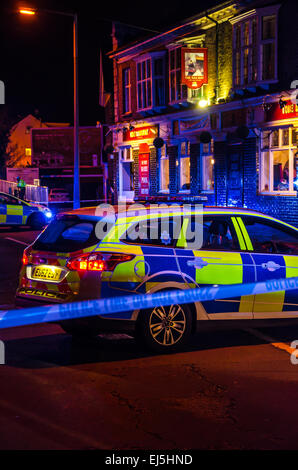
{"x":92,"y":265}
{"x":97,"y":261}
{"x":25,"y":259}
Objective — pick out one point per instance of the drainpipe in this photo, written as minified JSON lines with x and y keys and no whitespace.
{"x":216,"y":53}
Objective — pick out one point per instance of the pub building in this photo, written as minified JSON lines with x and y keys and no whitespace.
{"x":206,"y":112}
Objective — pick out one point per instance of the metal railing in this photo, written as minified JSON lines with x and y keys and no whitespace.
{"x":38,"y":194}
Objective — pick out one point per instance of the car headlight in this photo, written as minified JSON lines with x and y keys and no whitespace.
{"x":48,"y":214}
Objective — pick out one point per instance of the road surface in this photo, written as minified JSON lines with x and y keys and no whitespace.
{"x":228,"y":390}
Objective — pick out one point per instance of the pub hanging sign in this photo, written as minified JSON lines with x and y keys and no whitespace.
{"x":194,"y":67}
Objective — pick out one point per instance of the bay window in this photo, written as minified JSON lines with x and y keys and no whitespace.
{"x":279,"y":163}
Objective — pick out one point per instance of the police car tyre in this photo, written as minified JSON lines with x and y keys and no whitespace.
{"x":36,"y":220}
{"x":164,"y":329}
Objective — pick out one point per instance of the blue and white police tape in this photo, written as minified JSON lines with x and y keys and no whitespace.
{"x":108,"y":306}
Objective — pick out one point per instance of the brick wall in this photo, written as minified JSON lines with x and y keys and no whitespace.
{"x":281,"y":207}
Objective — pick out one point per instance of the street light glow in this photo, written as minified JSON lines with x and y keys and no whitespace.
{"x":27,"y":11}
{"x":203,"y":103}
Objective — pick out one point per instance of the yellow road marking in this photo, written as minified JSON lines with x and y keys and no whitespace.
{"x":279,"y":345}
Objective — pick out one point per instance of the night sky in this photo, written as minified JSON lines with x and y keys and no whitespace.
{"x":36,"y":52}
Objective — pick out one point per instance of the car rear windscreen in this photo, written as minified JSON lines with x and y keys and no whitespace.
{"x":67,"y":234}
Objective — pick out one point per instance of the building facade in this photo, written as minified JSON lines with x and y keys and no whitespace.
{"x":206,"y":111}
{"x":53,"y":154}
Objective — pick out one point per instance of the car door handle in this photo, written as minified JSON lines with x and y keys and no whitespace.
{"x":271,"y":266}
{"x":198,"y":263}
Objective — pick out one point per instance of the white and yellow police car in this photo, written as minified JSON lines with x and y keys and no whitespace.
{"x":68,"y":262}
{"x":15,"y":211}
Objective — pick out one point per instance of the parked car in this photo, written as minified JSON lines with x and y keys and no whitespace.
{"x":68,"y":262}
{"x":58,"y":195}
{"x":15,"y":211}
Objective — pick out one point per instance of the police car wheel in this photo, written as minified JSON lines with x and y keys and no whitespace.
{"x":36,"y":221}
{"x":164,"y":329}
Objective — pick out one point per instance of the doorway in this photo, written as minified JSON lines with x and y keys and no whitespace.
{"x":126,"y":174}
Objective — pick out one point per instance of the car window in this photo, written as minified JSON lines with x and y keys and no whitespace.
{"x":158,"y":232}
{"x":219,"y":234}
{"x":6,"y":199}
{"x":67,"y":234}
{"x":271,"y":237}
{"x":78,"y":233}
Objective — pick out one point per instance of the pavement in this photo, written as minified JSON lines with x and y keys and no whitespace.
{"x":227,"y":390}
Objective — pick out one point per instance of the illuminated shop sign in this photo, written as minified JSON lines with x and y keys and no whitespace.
{"x":194,"y":67}
{"x":147,"y":132}
{"x":289,"y":111}
{"x":144,"y":162}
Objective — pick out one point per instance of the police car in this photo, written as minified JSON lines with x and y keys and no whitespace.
{"x":15,"y":211}
{"x":154,"y":251}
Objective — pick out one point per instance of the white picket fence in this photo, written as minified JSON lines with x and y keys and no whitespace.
{"x":38,"y":194}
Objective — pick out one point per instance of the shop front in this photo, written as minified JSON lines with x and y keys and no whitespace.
{"x":259,"y":171}
{"x":134,"y":166}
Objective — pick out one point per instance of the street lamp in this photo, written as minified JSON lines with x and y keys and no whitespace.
{"x":76,"y":169}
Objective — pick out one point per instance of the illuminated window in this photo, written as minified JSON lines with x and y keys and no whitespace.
{"x":151,"y":81}
{"x":126,"y":91}
{"x":279,"y":163}
{"x":184,"y":167}
{"x":28,"y":152}
{"x":254,"y":45}
{"x":164,"y":176}
{"x":207,"y":160}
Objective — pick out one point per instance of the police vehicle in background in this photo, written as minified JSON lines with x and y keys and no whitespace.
{"x":16,"y":211}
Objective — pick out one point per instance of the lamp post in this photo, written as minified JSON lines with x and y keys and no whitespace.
{"x":76,"y":169}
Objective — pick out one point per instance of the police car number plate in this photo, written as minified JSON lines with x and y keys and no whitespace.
{"x":48,"y":273}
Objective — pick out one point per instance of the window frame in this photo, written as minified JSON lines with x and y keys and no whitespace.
{"x":238,"y":61}
{"x":162,"y":156}
{"x":182,"y":156}
{"x":269,"y":150}
{"x":204,"y":155}
{"x":126,"y":89}
{"x":173,"y":72}
{"x":151,"y":79}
